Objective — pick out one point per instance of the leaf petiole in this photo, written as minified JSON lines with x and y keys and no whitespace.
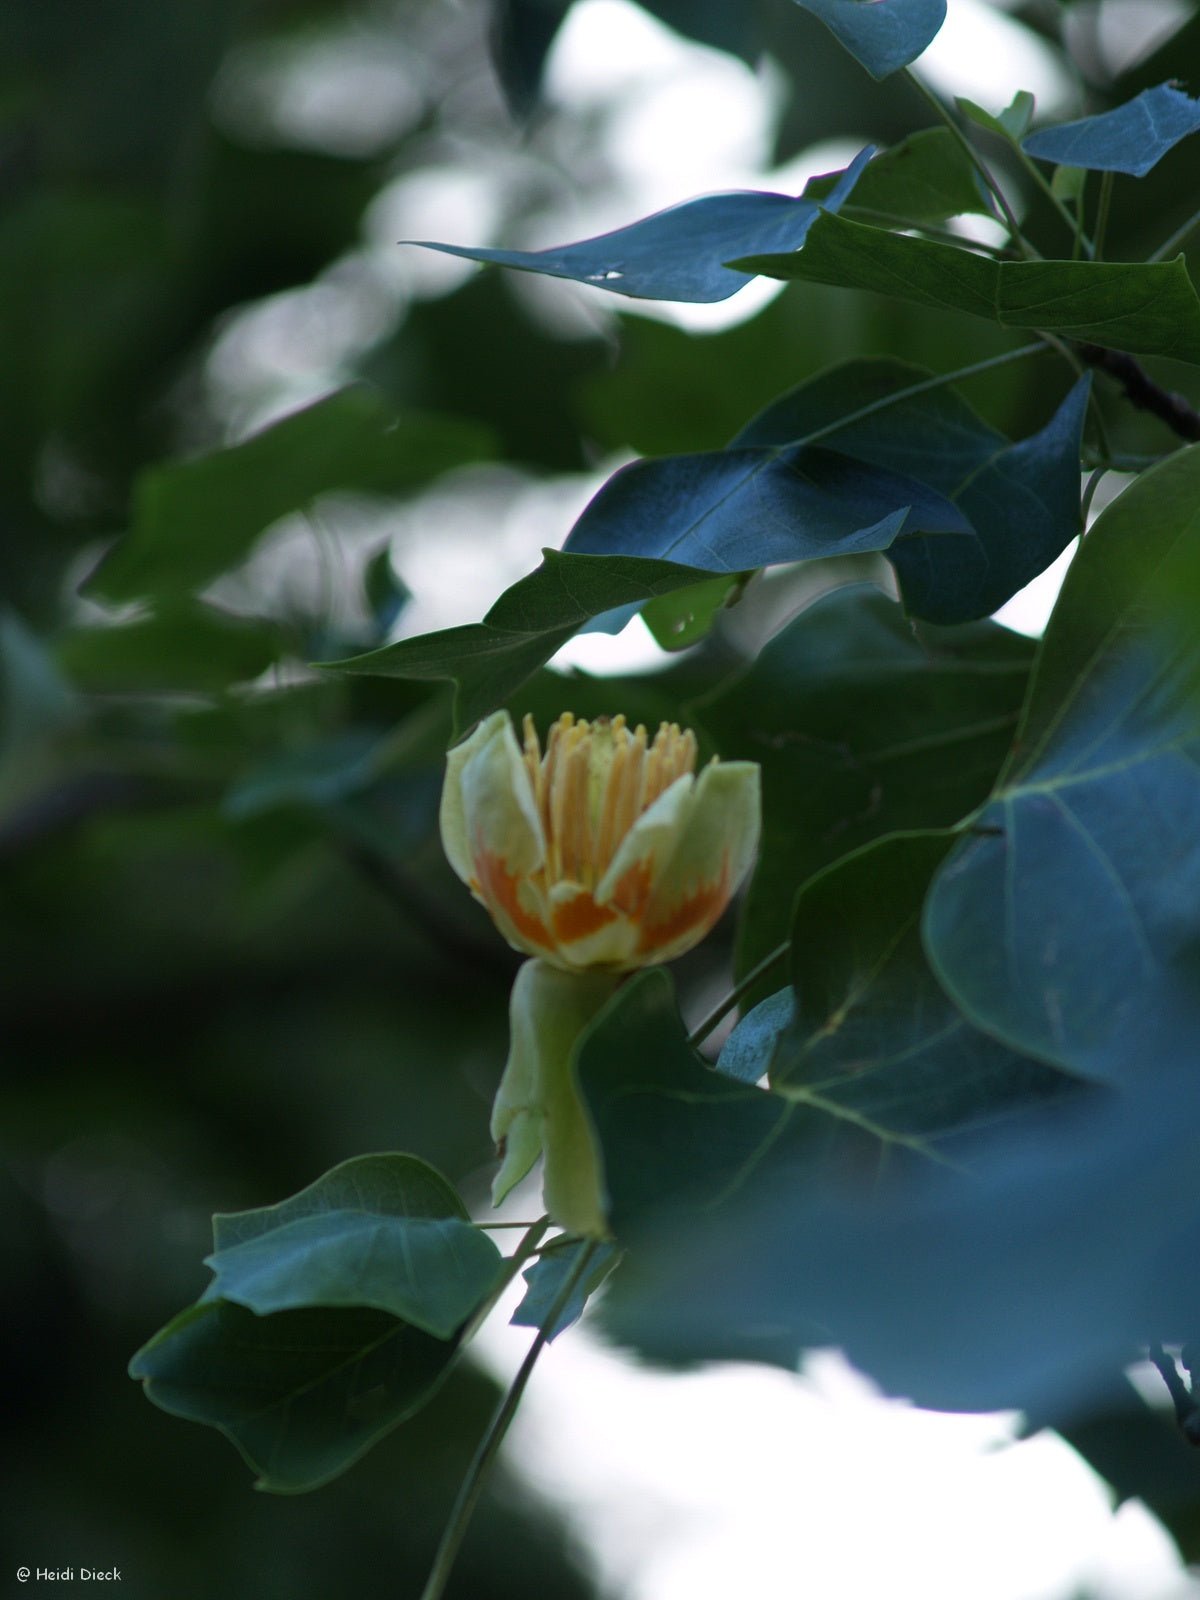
{"x":718,"y":1013}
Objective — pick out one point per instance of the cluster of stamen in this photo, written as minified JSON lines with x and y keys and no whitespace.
{"x":592,"y":784}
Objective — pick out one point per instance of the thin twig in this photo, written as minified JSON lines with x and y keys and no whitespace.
{"x":489,"y":1446}
{"x":486,"y":1225}
{"x":977,"y":162}
{"x":1074,"y":360}
{"x":718,"y":1013}
{"x":1089,"y":493}
{"x":1169,"y":246}
{"x":524,"y":1252}
{"x":1075,"y":223}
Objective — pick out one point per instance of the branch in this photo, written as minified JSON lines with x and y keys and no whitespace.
{"x":1142,"y":391}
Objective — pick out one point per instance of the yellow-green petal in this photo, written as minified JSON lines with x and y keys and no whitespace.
{"x":452,"y":815}
{"x":710,"y":854}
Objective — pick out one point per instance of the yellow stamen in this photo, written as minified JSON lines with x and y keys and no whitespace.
{"x":592,"y":784}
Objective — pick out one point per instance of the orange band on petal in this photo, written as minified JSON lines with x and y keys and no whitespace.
{"x":500,"y":890}
{"x":632,"y":889}
{"x":695,"y":915}
{"x":580,"y":918}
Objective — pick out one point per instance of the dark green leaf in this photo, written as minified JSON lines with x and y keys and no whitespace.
{"x":676,"y":1136}
{"x":384,"y":1231}
{"x":862,"y":725}
{"x":1011,"y":123}
{"x":924,"y":178}
{"x":192,"y":520}
{"x":677,"y":254}
{"x":488,"y":661}
{"x":683,"y":618}
{"x":1069,"y":922}
{"x":1132,"y":139}
{"x":1020,"y":501}
{"x":386,"y":593}
{"x":183,"y":645}
{"x":1149,"y":309}
{"x":884,"y":36}
{"x":545,"y":1280}
{"x":1029,"y":1283}
{"x":733,"y":510}
{"x":302,"y":1394}
{"x":673,"y":1132}
{"x":873,"y":1036}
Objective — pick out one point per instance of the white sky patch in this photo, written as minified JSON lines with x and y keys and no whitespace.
{"x":986,"y":56}
{"x":344,"y":93}
{"x":745,"y":1480}
{"x":477,"y":531}
{"x":1029,"y":609}
{"x":449,"y":203}
{"x":1127,"y":31}
{"x":605,"y":654}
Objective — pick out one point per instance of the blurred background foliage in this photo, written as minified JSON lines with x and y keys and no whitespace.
{"x":232,"y":954}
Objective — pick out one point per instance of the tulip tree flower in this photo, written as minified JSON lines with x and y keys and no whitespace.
{"x":605,"y":854}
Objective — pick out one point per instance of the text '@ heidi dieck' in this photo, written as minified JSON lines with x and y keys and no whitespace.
{"x":69,"y":1574}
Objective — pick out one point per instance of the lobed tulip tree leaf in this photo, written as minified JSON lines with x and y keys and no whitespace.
{"x":672,"y":1131}
{"x":681,"y":253}
{"x":924,"y":178}
{"x":192,"y":520}
{"x":1149,"y":309}
{"x":302,"y":1394}
{"x":1029,"y":1281}
{"x":384,"y":1231}
{"x":862,"y":725}
{"x":678,"y":1137}
{"x":1020,"y":501}
{"x":872,"y":1031}
{"x":732,"y":510}
{"x":488,"y":661}
{"x":330,"y":1318}
{"x":1131,"y":139}
{"x":1000,"y":512}
{"x":882,"y":36}
{"x":1068,"y":923}
{"x":545,"y":1279}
